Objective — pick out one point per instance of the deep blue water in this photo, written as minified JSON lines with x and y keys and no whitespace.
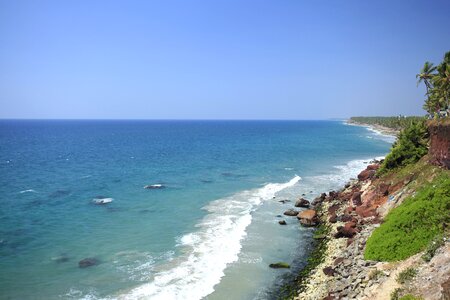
{"x":193,"y":238}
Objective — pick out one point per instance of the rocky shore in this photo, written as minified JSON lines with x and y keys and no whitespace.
{"x":349,"y":217}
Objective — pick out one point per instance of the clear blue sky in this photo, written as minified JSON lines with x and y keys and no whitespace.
{"x":217,"y":59}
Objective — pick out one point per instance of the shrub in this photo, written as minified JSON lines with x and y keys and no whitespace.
{"x":395,"y":295}
{"x":410,"y":227}
{"x":410,"y":297}
{"x":406,"y":275}
{"x":411,"y":145}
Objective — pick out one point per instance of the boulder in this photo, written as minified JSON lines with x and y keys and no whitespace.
{"x":291,"y":212}
{"x":366,"y":174}
{"x":347,"y":231}
{"x":383,"y":189}
{"x":282,"y":222}
{"x":329,"y":271}
{"x":356,"y":199}
{"x":333,"y":218}
{"x":319,"y":199}
{"x":308,"y":217}
{"x":365,"y":211}
{"x":88,"y":262}
{"x":302,"y":203}
{"x":373,"y":167}
{"x":280,"y":265}
{"x":332,"y":195}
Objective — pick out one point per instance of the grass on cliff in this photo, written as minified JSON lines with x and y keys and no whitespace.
{"x":412,"y":226}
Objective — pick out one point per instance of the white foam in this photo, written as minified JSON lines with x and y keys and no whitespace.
{"x":382,"y":136}
{"x":28,"y":191}
{"x":216,"y":243}
{"x":343,"y":173}
{"x":102,"y":200}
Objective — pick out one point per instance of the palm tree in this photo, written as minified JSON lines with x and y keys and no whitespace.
{"x":425,"y":75}
{"x":441,"y":80}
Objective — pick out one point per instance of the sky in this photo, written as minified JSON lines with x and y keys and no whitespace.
{"x":220,"y":59}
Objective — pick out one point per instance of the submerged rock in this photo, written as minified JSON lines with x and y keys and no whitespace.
{"x":282,"y":222}
{"x":88,"y":262}
{"x":291,"y":212}
{"x":280,"y":265}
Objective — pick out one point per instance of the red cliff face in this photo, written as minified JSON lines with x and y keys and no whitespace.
{"x":440,"y":143}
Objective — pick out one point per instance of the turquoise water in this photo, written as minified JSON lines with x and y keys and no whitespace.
{"x":210,"y":232}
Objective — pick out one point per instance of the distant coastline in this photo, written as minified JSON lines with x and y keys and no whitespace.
{"x":375,"y":127}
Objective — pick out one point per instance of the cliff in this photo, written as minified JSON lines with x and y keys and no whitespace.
{"x":440,"y":142}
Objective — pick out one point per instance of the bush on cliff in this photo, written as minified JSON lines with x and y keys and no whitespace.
{"x":410,"y":227}
{"x":411,"y":145}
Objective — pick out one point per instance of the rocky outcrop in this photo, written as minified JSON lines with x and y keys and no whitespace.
{"x":439,"y":143}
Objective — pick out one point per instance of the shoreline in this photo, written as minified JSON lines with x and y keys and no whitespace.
{"x":383,"y":130}
{"x":336,"y":267}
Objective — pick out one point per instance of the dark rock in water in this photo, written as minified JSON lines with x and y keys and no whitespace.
{"x":291,"y":212}
{"x":282,"y":222}
{"x":280,"y":265}
{"x":284,"y":201}
{"x":347,"y":185}
{"x":206,"y":181}
{"x":329,"y":271}
{"x":303,"y":194}
{"x":88,"y":262}
{"x":302,"y":203}
{"x":154,"y":186}
{"x":61,"y":259}
{"x":279,"y":216}
{"x":59,"y":193}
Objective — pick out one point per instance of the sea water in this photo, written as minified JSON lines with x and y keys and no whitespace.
{"x":206,"y":226}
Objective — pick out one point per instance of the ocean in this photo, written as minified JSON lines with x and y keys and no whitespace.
{"x":206,"y":226}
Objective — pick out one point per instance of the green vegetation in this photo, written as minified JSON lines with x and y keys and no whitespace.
{"x":411,"y":145}
{"x":410,"y":227}
{"x":437,"y":83}
{"x":406,"y":275}
{"x":410,"y":297}
{"x":435,"y":244}
{"x":396,"y":123}
{"x":395,"y":295}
